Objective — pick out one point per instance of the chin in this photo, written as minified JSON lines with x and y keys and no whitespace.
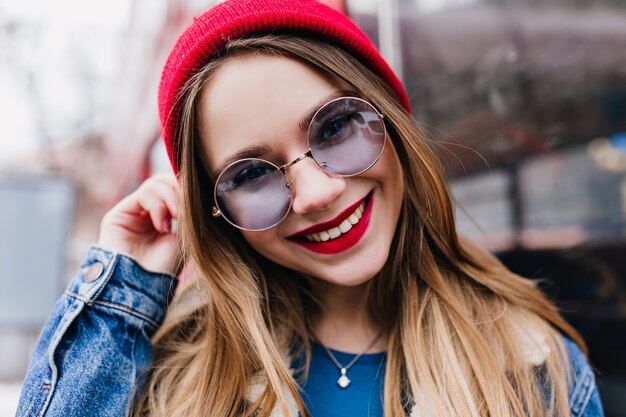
{"x":351,"y":281}
{"x":351,"y":273}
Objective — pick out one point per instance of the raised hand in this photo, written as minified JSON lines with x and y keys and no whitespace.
{"x":141,"y":225}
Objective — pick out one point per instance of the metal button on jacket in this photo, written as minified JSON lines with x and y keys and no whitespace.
{"x":93,"y":271}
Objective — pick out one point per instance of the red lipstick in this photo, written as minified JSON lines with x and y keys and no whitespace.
{"x":331,"y":223}
{"x":346,"y":240}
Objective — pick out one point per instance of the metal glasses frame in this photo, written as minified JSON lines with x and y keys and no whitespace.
{"x":216,"y":212}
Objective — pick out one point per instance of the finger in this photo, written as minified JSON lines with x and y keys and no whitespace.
{"x":134,"y":210}
{"x":166,"y":188}
{"x":157,"y":209}
{"x":145,"y":197}
{"x":167,"y":180}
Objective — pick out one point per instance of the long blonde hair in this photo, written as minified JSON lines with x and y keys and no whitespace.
{"x":462,"y":329}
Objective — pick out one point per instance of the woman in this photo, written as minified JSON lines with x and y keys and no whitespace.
{"x":329,"y":278}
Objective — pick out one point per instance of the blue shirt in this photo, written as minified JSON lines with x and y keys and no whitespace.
{"x":95,"y":347}
{"x":363,"y":397}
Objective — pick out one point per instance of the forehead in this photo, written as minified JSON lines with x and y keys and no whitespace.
{"x":259,"y":99}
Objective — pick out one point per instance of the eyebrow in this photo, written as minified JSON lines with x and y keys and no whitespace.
{"x":306,"y":121}
{"x":260,"y":150}
{"x":254,"y":151}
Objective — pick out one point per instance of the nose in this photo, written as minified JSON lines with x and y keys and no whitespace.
{"x":314,"y":189}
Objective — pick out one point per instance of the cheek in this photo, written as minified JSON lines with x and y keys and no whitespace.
{"x":389,"y":170}
{"x":258,"y":210}
{"x":269,"y":245}
{"x":240,"y":210}
{"x":398,"y":175}
{"x":264,"y":242}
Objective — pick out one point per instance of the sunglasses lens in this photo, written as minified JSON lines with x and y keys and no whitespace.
{"x":253,"y":194}
{"x":347,"y":136}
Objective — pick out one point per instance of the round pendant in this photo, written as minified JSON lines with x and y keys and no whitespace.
{"x":343,"y":381}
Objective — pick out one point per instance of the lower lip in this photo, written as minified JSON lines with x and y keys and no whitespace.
{"x":346,"y":240}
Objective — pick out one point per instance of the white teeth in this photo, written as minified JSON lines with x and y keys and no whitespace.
{"x":335,"y":232}
{"x":345,"y":226}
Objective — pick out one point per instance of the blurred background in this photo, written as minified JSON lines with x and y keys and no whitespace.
{"x":525,"y":101}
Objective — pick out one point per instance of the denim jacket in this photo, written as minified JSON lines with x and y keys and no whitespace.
{"x":96,"y":344}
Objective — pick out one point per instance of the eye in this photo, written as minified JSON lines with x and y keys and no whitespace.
{"x":252,"y":175}
{"x":336,"y":129}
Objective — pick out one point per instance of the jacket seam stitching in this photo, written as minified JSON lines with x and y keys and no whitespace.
{"x":587,"y":390}
{"x":116,"y":306}
{"x":131,"y":398}
{"x":56,"y":340}
{"x":581,"y":392}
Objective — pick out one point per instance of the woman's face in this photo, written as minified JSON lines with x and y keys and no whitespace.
{"x":259,"y":101}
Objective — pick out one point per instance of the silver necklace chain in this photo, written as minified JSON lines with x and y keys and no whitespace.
{"x":343,"y":380}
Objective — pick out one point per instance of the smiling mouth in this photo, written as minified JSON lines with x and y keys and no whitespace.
{"x":335,"y":232}
{"x":340,"y":233}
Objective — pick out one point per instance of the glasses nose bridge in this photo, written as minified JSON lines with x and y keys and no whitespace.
{"x":305,"y":155}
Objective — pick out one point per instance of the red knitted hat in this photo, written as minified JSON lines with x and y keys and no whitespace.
{"x":234,"y":19}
